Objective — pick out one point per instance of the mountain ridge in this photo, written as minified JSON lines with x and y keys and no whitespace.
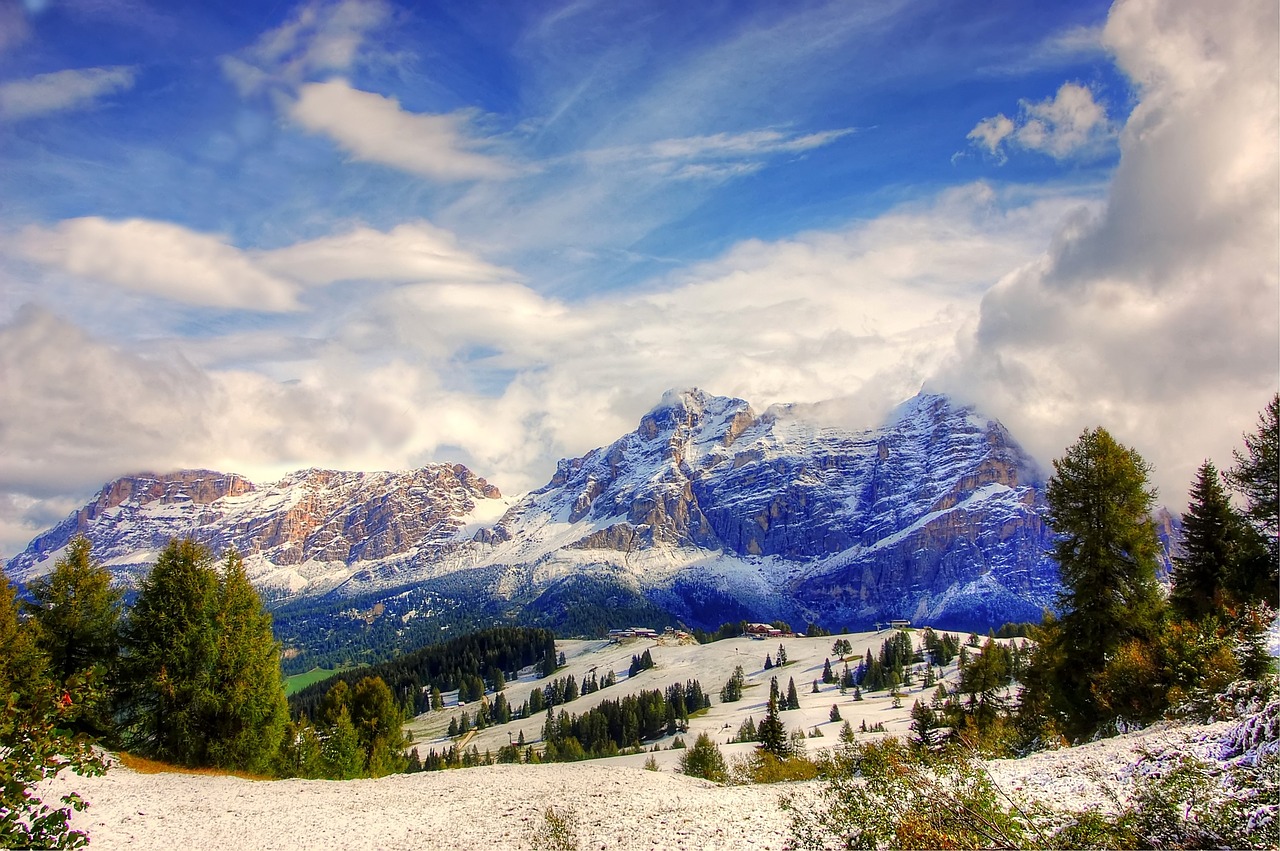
{"x":706,"y":509}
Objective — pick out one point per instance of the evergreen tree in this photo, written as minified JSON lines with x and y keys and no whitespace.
{"x":170,"y":652}
{"x":782,"y":656}
{"x":76,"y":613}
{"x":768,"y":662}
{"x":793,"y":699}
{"x":35,"y":744}
{"x":834,"y":714}
{"x":245,"y":721}
{"x":1210,"y":535}
{"x":828,"y":676}
{"x":732,"y":690}
{"x":1106,"y":547}
{"x":814,"y":689}
{"x":379,"y":723}
{"x":771,"y":732}
{"x":1256,"y":477}
{"x":704,"y":760}
{"x":340,"y":752}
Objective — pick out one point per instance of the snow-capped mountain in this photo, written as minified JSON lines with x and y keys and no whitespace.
{"x":708,"y":509}
{"x":307,"y":533}
{"x":935,"y":516}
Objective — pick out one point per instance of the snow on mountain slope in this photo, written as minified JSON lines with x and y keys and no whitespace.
{"x":708,"y":509}
{"x":308,"y":532}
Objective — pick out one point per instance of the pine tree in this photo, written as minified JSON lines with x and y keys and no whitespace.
{"x":793,"y":699}
{"x":768,"y":662}
{"x":827,"y":675}
{"x":1100,"y":509}
{"x":834,"y":714}
{"x":1210,"y":536}
{"x":340,"y":752}
{"x":782,"y":656}
{"x":814,"y":690}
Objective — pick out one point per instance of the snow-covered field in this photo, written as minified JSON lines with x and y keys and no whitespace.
{"x":614,"y":803}
{"x":615,"y":806}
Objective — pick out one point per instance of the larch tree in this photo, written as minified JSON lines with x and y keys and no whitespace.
{"x":1106,"y":549}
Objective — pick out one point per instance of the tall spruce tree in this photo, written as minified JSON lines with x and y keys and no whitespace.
{"x":200,"y":670}
{"x":170,"y":651}
{"x":76,"y":613}
{"x":1106,"y":549}
{"x":249,"y":713}
{"x":1210,"y":544}
{"x":1256,"y":477}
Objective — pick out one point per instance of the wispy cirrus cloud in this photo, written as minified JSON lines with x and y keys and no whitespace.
{"x":717,"y":155}
{"x":1069,"y":124}
{"x":59,"y":91}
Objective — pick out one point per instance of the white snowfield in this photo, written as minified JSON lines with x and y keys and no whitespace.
{"x":615,"y":803}
{"x":614,"y":806}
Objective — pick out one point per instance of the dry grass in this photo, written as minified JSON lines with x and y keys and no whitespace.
{"x":142,"y":765}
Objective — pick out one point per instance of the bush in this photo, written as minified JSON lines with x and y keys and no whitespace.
{"x":704,"y":760}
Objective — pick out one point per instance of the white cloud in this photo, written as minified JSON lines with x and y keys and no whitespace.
{"x":319,"y":37}
{"x":1156,"y":316}
{"x":62,"y":90}
{"x":377,"y":129}
{"x":715,"y":156}
{"x":1069,"y":124}
{"x":414,"y":251}
{"x":158,"y":259}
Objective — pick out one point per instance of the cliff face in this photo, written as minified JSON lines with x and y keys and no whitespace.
{"x":708,"y":508}
{"x":934,"y":512}
{"x":312,"y":528}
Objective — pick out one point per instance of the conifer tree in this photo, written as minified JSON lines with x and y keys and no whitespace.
{"x":1256,"y":477}
{"x":1210,"y":543}
{"x":1100,"y":509}
{"x":249,"y":712}
{"x":76,"y":613}
{"x":827,"y":675}
{"x":793,"y":699}
{"x":170,"y":653}
{"x":771,"y":732}
{"x":834,"y":714}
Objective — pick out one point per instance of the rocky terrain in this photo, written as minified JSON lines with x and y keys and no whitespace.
{"x":708,"y":511}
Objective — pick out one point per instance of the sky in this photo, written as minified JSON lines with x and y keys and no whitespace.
{"x":361,"y":234}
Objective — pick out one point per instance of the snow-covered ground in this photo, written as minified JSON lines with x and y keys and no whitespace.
{"x":615,"y":806}
{"x":615,"y":803}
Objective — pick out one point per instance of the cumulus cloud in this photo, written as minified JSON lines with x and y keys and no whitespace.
{"x":159,"y":259}
{"x":165,"y":260}
{"x":1069,"y":124}
{"x":476,"y":367}
{"x":377,"y":129}
{"x":62,"y":90}
{"x":1156,"y":315}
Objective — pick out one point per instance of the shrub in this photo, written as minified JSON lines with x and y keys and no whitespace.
{"x":704,"y":760}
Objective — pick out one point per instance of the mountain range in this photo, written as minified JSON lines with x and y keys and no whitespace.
{"x":707,"y":512}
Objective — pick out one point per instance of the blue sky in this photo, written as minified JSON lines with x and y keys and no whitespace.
{"x":363,"y":234}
